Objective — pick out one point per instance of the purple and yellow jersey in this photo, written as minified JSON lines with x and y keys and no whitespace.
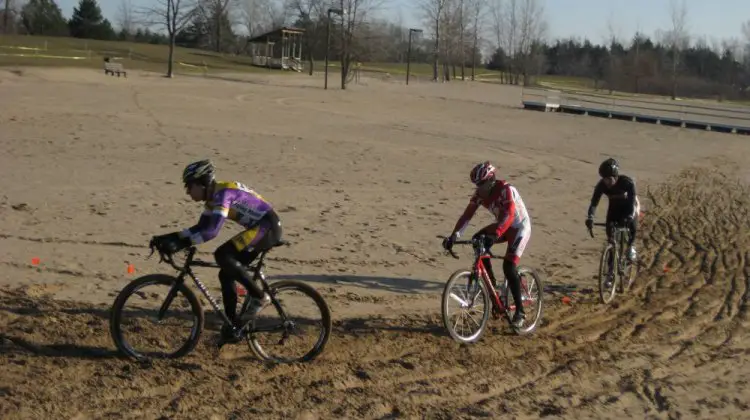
{"x":230,"y":200}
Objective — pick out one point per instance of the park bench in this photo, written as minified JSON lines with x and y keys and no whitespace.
{"x":112,"y":68}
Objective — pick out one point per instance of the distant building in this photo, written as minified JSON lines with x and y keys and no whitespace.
{"x":278,"y":49}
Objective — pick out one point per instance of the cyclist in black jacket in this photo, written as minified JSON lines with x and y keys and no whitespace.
{"x":623,"y":201}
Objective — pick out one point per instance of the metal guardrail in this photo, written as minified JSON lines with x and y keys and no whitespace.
{"x":691,"y":115}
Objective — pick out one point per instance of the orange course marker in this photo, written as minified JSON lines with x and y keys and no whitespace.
{"x":131,"y":269}
{"x":565,"y":300}
{"x":35,"y":261}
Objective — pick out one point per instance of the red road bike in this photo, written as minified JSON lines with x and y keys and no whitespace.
{"x":477,"y":296}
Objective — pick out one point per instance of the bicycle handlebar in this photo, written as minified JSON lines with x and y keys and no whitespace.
{"x":617,"y":226}
{"x":591,"y":231}
{"x":189,"y":261}
{"x":167,"y":258}
{"x":464,"y":242}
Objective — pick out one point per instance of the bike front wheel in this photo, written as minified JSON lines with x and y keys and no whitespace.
{"x":607,"y":270}
{"x":295,"y":327}
{"x":467,"y":323}
{"x":156,"y":316}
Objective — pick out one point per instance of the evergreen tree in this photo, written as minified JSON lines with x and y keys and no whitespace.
{"x":43,"y":17}
{"x":87,"y":22}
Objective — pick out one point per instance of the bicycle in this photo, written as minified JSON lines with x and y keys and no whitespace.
{"x":479,"y":285}
{"x":614,"y":259}
{"x":252,"y":328}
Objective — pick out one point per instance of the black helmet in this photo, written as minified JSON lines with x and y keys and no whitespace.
{"x":609,"y":167}
{"x":200,"y":172}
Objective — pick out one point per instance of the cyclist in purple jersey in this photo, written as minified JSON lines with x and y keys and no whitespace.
{"x":237,"y":202}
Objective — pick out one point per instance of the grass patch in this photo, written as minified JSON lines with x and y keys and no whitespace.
{"x":24,"y":50}
{"x":416,"y":69}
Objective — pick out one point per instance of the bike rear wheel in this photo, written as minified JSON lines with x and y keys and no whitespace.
{"x":157,"y":301}
{"x":628,"y":269}
{"x":607,"y":270}
{"x":290,"y":296}
{"x":532,"y":290}
{"x":474,"y":306}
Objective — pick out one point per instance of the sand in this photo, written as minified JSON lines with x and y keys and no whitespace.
{"x":364,"y":180}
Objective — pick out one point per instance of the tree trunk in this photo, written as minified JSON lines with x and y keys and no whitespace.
{"x":463,"y":50}
{"x":218,"y":32}
{"x":344,"y":58}
{"x":170,"y":62}
{"x":5,"y":17}
{"x":437,"y":54}
{"x":474,"y":56}
{"x":674,"y":74}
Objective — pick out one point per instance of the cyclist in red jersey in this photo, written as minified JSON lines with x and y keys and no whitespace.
{"x":513,"y":225}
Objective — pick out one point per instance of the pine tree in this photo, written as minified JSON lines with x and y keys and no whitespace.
{"x":43,"y":17}
{"x":87,"y":22}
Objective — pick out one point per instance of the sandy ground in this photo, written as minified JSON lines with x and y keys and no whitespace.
{"x":364,"y":180}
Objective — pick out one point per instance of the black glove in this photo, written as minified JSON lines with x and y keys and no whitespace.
{"x":589,"y":224}
{"x":486,"y":239}
{"x":489,"y":240}
{"x":170,"y":243}
{"x":448,"y":242}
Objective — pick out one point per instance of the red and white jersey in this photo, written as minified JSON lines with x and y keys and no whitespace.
{"x":504,"y":203}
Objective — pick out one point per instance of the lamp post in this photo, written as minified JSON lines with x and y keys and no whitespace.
{"x":408,"y":54}
{"x":328,"y":39}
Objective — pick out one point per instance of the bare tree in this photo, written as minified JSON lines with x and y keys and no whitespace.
{"x":6,"y":16}
{"x":462,"y":31}
{"x":125,"y":18}
{"x":678,"y":37}
{"x":251,"y":16}
{"x":498,"y":31}
{"x":10,"y":15}
{"x":311,"y":14}
{"x":259,"y":16}
{"x":496,"y":14}
{"x":400,"y":36}
{"x":746,"y":49}
{"x":612,"y":40}
{"x":532,"y":29}
{"x":173,"y":15}
{"x":434,"y":12}
{"x":354,"y":19}
{"x":506,"y":15}
{"x":215,"y":11}
{"x":476,"y":10}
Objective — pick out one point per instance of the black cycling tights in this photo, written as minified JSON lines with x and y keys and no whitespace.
{"x":514,"y":280}
{"x":632,"y":227}
{"x":233,"y":264}
{"x":615,"y":214}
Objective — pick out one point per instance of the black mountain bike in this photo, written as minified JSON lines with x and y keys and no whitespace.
{"x":616,"y":271}
{"x":161,"y":300}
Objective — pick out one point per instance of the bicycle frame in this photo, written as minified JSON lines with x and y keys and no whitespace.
{"x":481,"y":254}
{"x":480,"y":270}
{"x":186,"y":270}
{"x":620,"y":236}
